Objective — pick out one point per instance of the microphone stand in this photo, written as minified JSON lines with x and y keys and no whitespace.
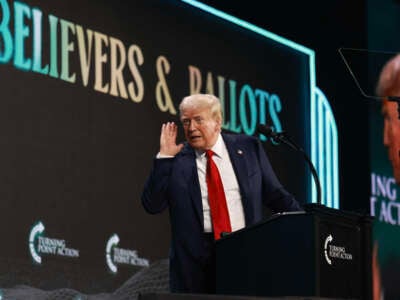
{"x":283,"y":138}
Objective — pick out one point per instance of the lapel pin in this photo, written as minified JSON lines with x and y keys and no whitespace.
{"x":240,"y":152}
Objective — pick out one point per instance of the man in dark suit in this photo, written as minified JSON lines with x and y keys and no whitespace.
{"x":180,"y":180}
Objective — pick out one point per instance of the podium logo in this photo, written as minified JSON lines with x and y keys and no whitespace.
{"x":335,"y":252}
{"x":39,"y":244}
{"x":36,"y":231}
{"x":115,"y":255}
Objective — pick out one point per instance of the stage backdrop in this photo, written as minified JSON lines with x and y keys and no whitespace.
{"x":85,"y":87}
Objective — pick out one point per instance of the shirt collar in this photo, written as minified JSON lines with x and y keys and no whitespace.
{"x":217,"y":148}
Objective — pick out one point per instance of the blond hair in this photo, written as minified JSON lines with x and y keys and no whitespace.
{"x":202,"y":101}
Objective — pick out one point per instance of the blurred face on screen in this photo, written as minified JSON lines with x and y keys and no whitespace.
{"x":391,"y":136}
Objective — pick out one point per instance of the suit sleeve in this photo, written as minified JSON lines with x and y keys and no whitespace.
{"x":274,"y":194}
{"x":155,"y":192}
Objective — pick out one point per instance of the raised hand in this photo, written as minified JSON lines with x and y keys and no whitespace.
{"x":168,"y":135}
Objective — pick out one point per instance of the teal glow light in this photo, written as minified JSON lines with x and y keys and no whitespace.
{"x":313,"y":120}
{"x":321,"y":154}
{"x":316,"y":109}
{"x":327,"y":150}
{"x":328,"y":190}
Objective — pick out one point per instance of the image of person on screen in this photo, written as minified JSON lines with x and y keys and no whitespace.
{"x":389,"y":85}
{"x":214,"y":183}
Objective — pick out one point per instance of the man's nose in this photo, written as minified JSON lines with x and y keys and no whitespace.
{"x":192,"y":126}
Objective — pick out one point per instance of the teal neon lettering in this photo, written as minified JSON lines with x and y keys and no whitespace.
{"x":6,"y":52}
{"x":21,"y":32}
{"x":247,"y":95}
{"x":233,"y":126}
{"x":275,"y":106}
{"x":53,"y":21}
{"x":37,"y":43}
{"x":262,"y":97}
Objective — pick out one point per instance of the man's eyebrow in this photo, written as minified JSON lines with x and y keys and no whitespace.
{"x":194,"y":117}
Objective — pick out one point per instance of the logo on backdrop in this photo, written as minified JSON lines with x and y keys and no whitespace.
{"x":40,"y":244}
{"x":115,"y":255}
{"x":383,"y":201}
{"x":335,"y":252}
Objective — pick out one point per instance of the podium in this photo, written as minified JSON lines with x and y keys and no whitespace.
{"x":320,"y":252}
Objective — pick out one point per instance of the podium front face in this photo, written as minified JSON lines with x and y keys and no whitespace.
{"x":340,"y":270}
{"x":304,"y":254}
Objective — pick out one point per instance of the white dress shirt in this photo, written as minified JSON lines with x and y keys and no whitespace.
{"x":229,"y":181}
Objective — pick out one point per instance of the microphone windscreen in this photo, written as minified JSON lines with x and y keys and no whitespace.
{"x":265,"y":130}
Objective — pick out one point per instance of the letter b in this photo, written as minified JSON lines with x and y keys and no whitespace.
{"x":6,"y":43}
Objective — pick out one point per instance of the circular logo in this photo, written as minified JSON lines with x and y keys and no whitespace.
{"x":112,"y":242}
{"x":327,"y":241}
{"x":36,"y":230}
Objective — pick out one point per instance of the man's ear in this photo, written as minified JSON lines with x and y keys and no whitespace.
{"x":219,"y":123}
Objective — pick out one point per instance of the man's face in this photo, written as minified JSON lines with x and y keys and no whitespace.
{"x":391,"y":136}
{"x":201,"y":129}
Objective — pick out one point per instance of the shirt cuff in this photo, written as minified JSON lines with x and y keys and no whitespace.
{"x":159,"y":156}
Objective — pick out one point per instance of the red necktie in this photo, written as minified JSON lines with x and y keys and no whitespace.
{"x":216,"y":198}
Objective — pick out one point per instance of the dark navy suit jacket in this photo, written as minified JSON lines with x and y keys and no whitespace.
{"x":174,"y":183}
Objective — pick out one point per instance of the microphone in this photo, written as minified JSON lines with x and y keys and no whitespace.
{"x":283,"y":138}
{"x":266,"y":130}
{"x":269,"y":132}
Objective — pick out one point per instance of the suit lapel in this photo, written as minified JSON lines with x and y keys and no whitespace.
{"x":192,"y":178}
{"x":237,"y":155}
